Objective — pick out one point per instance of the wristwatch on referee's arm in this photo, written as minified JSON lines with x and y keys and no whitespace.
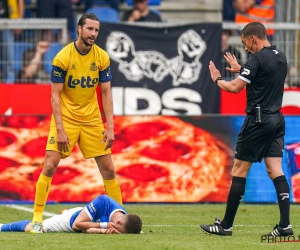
{"x":218,"y":78}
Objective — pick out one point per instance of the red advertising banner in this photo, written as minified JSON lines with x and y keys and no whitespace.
{"x":235,"y":104}
{"x":21,"y":99}
{"x":27,"y":99}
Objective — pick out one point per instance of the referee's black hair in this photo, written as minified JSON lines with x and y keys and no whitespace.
{"x":82,"y":19}
{"x":255,"y":29}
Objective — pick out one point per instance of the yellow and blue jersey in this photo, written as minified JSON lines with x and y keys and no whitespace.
{"x":80,"y":74}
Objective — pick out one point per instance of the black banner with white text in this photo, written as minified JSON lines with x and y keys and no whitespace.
{"x":162,"y":70}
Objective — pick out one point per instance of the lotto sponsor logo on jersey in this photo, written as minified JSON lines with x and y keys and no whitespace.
{"x":84,"y":82}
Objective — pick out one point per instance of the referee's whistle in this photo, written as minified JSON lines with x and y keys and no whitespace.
{"x":258,"y":113}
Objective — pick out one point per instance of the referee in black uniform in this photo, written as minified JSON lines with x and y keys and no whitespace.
{"x":262,"y":134}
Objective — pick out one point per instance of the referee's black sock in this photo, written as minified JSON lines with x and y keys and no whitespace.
{"x":283,"y":197}
{"x":236,"y":193}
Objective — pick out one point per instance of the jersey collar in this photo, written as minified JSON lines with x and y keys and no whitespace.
{"x":79,"y":51}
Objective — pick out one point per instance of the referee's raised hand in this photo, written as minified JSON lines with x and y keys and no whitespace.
{"x":235,"y":67}
{"x":214,"y":72}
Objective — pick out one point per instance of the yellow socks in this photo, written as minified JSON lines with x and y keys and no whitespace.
{"x":41,"y":195}
{"x":112,"y":189}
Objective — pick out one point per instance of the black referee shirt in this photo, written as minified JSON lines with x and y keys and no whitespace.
{"x":265,"y":73}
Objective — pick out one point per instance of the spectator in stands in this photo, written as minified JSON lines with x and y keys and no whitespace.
{"x":32,"y":60}
{"x":255,"y":10}
{"x":56,"y":9}
{"x":228,"y":11}
{"x":90,"y":3}
{"x":141,"y":13}
{"x":9,"y":9}
{"x":225,"y":47}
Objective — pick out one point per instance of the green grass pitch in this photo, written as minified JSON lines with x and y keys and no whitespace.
{"x":169,"y":227}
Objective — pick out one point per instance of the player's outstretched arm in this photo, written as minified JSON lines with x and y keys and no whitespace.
{"x":101,"y":231}
{"x":83,"y":222}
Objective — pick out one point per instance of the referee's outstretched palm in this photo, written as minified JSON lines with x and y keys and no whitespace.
{"x":235,"y":67}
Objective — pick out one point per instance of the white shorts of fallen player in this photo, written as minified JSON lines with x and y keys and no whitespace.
{"x":61,"y":222}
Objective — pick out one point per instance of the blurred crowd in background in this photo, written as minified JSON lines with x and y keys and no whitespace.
{"x":23,"y":62}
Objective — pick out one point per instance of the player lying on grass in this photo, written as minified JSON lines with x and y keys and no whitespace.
{"x":103,"y":215}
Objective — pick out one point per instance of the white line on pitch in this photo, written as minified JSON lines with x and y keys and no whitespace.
{"x":28,"y":209}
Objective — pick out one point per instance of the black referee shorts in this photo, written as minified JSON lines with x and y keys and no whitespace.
{"x":259,"y":140}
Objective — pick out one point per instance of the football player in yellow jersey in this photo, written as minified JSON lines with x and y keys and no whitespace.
{"x":77,"y":70}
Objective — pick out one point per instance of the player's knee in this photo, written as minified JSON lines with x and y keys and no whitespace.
{"x":49,"y":168}
{"x":275,"y":174}
{"x":269,"y":173}
{"x":108,"y":173}
{"x":239,"y":171}
{"x":51,"y":163}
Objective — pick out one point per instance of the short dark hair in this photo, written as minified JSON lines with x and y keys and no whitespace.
{"x":92,"y":16}
{"x":255,"y":29}
{"x":133,"y":224}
